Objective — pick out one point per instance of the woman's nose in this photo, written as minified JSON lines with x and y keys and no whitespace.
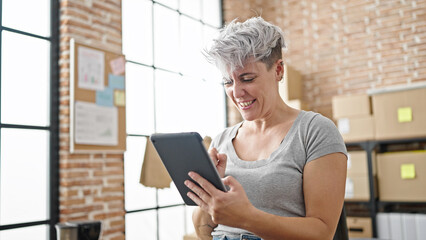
{"x":238,"y":90}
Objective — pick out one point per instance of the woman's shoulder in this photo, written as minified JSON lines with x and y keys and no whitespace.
{"x":312,"y":119}
{"x":313,"y":122}
{"x":225,"y":135}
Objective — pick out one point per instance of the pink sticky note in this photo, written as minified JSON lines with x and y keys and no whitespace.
{"x":118,"y":65}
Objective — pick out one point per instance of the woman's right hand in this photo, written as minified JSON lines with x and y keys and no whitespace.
{"x":219,"y":160}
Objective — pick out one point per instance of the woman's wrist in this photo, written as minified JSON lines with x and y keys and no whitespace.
{"x":203,"y":222}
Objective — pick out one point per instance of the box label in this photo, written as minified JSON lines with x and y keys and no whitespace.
{"x":408,"y":171}
{"x":405,"y":114}
{"x":349,"y":163}
{"x":344,"y":126}
{"x":349,"y":190}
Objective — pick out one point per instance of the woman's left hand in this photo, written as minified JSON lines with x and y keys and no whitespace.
{"x":229,"y":208}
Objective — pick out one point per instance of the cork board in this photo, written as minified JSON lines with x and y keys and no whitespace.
{"x":97,"y":100}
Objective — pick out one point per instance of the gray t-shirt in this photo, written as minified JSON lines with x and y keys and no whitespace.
{"x":275,"y":185}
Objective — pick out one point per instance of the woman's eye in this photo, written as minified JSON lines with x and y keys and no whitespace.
{"x":227,"y":82}
{"x":247,"y":79}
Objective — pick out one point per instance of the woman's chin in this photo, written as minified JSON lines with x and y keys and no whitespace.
{"x":248,"y":117}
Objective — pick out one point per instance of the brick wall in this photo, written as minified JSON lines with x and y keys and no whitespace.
{"x":91,"y":185}
{"x":345,"y":47}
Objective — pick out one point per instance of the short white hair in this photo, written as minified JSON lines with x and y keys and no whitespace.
{"x":239,"y":42}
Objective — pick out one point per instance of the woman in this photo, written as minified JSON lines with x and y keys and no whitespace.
{"x":285,"y":168}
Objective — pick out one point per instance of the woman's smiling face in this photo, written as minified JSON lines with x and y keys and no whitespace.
{"x":253,"y":89}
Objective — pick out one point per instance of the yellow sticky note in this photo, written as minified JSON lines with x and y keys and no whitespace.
{"x":405,"y":114}
{"x":408,"y":171}
{"x":119,"y":98}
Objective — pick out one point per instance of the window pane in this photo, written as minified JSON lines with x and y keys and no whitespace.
{"x":191,"y":8}
{"x":36,"y":232}
{"x":169,"y":196}
{"x":166,"y":38}
{"x":28,"y":105}
{"x":137,"y":31}
{"x":27,"y":15}
{"x":210,"y":70}
{"x":139,"y":99}
{"x":212,"y":12}
{"x":210,"y":120}
{"x":141,"y":225}
{"x":137,"y":196}
{"x":173,"y":102}
{"x":24,"y":175}
{"x":171,"y":223}
{"x":189,"y":104}
{"x":170,"y":3}
{"x":191,"y":42}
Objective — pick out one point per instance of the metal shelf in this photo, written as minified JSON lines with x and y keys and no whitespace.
{"x":373,"y":205}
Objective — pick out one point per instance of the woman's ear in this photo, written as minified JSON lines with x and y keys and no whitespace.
{"x":279,"y":70}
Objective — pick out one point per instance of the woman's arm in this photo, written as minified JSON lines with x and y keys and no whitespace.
{"x":203,"y":224}
{"x":323,"y":186}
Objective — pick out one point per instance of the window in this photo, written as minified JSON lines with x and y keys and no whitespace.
{"x":28,"y":119}
{"x":170,"y":87}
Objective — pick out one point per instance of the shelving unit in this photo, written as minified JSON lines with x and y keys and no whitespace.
{"x":374,"y":205}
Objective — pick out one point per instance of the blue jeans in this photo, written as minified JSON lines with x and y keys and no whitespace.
{"x":241,"y":237}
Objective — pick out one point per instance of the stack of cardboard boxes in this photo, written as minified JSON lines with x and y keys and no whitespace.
{"x":357,"y":184}
{"x":291,"y":88}
{"x":354,"y":117}
{"x":402,"y":115}
{"x":355,"y":121}
{"x":386,"y":115}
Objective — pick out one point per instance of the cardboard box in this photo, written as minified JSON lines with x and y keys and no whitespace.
{"x":402,"y":176}
{"x":291,"y":87}
{"x":357,"y":188}
{"x":358,"y":163}
{"x":297,"y":104}
{"x":356,"y":129}
{"x":357,"y":184}
{"x":359,"y":227}
{"x":351,"y":106}
{"x":400,"y":114}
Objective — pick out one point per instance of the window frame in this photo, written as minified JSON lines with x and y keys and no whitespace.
{"x":53,"y":128}
{"x":154,"y":68}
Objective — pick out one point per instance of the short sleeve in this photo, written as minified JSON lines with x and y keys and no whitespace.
{"x":323,"y":138}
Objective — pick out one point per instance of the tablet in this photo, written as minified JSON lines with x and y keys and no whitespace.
{"x":182,"y":153}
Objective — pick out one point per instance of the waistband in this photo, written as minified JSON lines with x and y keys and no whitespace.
{"x":241,"y":237}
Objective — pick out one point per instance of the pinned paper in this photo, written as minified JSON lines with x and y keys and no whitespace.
{"x":91,"y":69}
{"x":116,"y":81}
{"x":344,"y":126}
{"x":408,"y":171}
{"x":118,"y":65}
{"x":105,"y":97}
{"x":405,"y":114}
{"x":119,"y":98}
{"x":95,"y":125}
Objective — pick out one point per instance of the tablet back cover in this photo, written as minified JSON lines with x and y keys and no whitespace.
{"x":182,"y":153}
